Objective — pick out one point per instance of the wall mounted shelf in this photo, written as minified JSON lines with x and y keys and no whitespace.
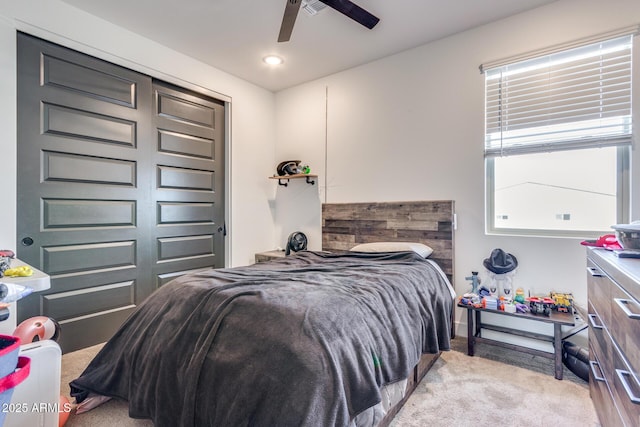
{"x":281,"y":179}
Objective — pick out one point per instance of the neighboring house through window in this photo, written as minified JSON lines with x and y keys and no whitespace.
{"x":558,"y":132}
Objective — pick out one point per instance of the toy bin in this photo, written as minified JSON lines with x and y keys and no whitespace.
{"x":13,"y":370}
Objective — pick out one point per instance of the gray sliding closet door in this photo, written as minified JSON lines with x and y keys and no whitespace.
{"x":118,"y":187}
{"x":188,"y":182}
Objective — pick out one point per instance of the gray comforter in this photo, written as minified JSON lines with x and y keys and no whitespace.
{"x":306,"y":340}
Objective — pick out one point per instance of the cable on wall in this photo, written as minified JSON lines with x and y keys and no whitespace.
{"x":326,"y":139}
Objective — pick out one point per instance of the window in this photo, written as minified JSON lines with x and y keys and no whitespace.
{"x":558,"y":131}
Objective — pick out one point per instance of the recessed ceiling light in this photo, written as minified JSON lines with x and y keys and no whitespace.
{"x":273,"y":60}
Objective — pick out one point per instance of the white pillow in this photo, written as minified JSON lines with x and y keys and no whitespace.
{"x":422,"y":250}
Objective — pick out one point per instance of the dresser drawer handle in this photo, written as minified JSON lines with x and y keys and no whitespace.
{"x":623,"y":375}
{"x":592,"y":320}
{"x":623,"y":303}
{"x":594,"y":272}
{"x":593,"y":364}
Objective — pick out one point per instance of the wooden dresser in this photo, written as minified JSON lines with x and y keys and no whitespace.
{"x":614,"y":337}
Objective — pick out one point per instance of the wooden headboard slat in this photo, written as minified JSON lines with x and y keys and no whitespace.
{"x":345,"y":225}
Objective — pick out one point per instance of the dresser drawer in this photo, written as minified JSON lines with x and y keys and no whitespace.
{"x":625,"y":313}
{"x":600,"y":346}
{"x":599,"y":290}
{"x":601,"y":395}
{"x":625,"y":389}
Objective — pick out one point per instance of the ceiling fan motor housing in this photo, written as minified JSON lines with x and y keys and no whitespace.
{"x":346,"y":7}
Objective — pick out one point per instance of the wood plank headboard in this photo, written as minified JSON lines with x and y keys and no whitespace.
{"x":345,"y":225}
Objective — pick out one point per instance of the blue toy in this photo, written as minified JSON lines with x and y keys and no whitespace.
{"x":475,"y":281}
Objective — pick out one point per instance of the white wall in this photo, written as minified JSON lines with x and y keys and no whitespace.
{"x":252,"y":130}
{"x":301,"y":121}
{"x":410,"y":127}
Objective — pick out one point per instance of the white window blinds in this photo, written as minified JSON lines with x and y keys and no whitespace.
{"x":577,"y":98}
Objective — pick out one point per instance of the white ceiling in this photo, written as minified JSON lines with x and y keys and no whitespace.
{"x":234,"y":35}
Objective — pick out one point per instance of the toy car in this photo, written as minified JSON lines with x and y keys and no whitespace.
{"x":540,"y":305}
{"x":563,"y":302}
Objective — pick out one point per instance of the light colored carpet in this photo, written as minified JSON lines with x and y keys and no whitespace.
{"x":473,"y":391}
{"x":492,"y":388}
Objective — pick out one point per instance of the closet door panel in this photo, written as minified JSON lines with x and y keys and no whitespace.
{"x":84,"y":142}
{"x":189,"y":182}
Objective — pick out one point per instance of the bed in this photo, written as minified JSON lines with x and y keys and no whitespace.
{"x":318,"y":338}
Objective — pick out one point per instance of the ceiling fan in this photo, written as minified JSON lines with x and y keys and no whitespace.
{"x":345,"y":7}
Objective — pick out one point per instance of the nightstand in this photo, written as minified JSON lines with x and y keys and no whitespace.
{"x":269,"y":255}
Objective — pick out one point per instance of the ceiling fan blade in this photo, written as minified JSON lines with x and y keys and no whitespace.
{"x":353,"y":11}
{"x":289,"y":18}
